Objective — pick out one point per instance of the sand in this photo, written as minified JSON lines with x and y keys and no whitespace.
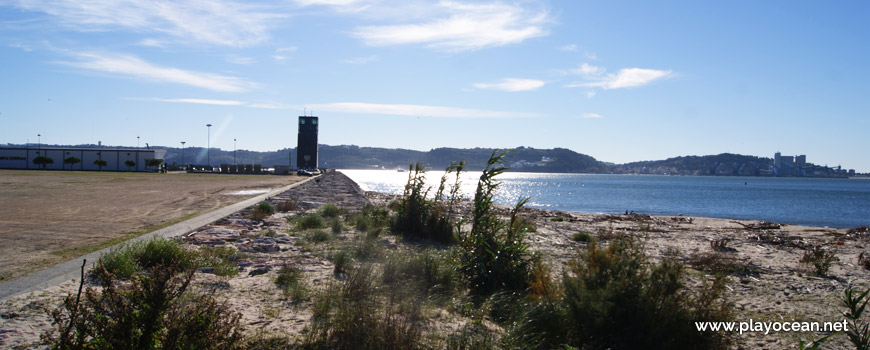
{"x":778,"y":287}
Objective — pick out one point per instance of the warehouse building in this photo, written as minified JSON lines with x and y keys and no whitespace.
{"x":95,"y":159}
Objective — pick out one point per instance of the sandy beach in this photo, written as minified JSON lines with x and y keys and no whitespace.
{"x":767,"y":280}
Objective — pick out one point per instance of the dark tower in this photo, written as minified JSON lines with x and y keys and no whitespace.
{"x":306,"y":144}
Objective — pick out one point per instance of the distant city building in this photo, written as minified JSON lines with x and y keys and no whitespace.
{"x":306,"y":144}
{"x":116,"y":159}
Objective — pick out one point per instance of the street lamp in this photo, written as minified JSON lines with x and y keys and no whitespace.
{"x":39,"y":141}
{"x":208,"y":150}
{"x":182,"y":152}
{"x":137,"y":142}
{"x":234,"y":151}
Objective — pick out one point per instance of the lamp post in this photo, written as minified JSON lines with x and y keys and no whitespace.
{"x":234,"y":151}
{"x":39,"y":141}
{"x":182,"y":153}
{"x":208,"y":150}
{"x":137,"y":142}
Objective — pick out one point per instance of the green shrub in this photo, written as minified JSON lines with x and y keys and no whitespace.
{"x":290,"y":282}
{"x":263,"y":210}
{"x":582,"y":236}
{"x":140,"y":256}
{"x":418,"y":217}
{"x":615,"y":298}
{"x":820,"y":259}
{"x":557,"y":219}
{"x":429,"y":271}
{"x":341,"y":262}
{"x":309,"y":222}
{"x":856,"y":302}
{"x":221,"y":259}
{"x":493,"y":255}
{"x":349,"y":316}
{"x":318,"y":236}
{"x":336,"y":226}
{"x":152,"y":310}
{"x":329,"y":211}
{"x":287,"y":205}
{"x":371,"y":217}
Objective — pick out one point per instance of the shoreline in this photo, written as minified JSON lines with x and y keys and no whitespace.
{"x":778,"y":288}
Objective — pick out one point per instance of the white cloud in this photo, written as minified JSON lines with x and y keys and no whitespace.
{"x":326,"y":2}
{"x":415,"y":110}
{"x":590,"y":93}
{"x":240,"y":59}
{"x":361,"y":60}
{"x":569,"y":48}
{"x":590,"y":55}
{"x":626,"y":77}
{"x":212,"y":22}
{"x":201,"y":101}
{"x":462,"y":27}
{"x":591,"y":116}
{"x":281,"y":53}
{"x":136,"y":68}
{"x":512,"y":84}
{"x":588,"y":70}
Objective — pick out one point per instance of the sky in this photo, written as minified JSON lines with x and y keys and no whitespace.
{"x":620,"y":81}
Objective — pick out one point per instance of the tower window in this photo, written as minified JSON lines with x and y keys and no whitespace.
{"x":301,"y":121}
{"x":314,"y":121}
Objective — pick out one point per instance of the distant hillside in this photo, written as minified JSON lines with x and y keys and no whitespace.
{"x":720,"y":164}
{"x":557,"y":160}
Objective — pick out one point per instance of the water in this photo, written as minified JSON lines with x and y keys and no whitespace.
{"x":842,"y":203}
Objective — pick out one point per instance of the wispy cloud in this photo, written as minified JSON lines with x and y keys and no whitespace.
{"x":512,"y":85}
{"x":133,"y":67}
{"x":462,"y":27}
{"x":569,"y":48}
{"x":218,"y":22}
{"x":201,"y":101}
{"x":588,"y":70}
{"x":415,"y":110}
{"x":591,"y":116}
{"x":240,"y":59}
{"x":625,"y":78}
{"x":361,"y":60}
{"x":283,"y":53}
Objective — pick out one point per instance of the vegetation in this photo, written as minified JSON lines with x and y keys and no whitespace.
{"x":263,"y":210}
{"x":371,"y":217}
{"x":100,"y":164}
{"x":329,"y":211}
{"x":820,"y":259}
{"x":154,"y":310}
{"x":42,"y":161}
{"x":71,"y":161}
{"x":582,"y":236}
{"x":309,"y":222}
{"x":493,"y":256}
{"x":130,"y":164}
{"x":290,"y":282}
{"x":418,"y":217}
{"x":855,"y":302}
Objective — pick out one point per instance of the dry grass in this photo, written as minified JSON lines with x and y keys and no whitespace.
{"x":51,"y":216}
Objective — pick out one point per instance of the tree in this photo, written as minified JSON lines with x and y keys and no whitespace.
{"x":71,"y":161}
{"x":129,"y":164}
{"x":42,"y":161}
{"x":100,"y":163}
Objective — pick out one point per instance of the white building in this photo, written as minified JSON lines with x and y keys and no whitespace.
{"x":115,"y":158}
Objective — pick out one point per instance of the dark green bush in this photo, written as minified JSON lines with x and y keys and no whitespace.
{"x":341,"y":262}
{"x":371,"y":217}
{"x":151,"y":311}
{"x":309,"y":222}
{"x":221,"y":259}
{"x":141,"y":256}
{"x":329,"y":211}
{"x":263,"y":210}
{"x":418,"y":217}
{"x":582,"y":236}
{"x":336,"y":226}
{"x":318,"y":236}
{"x":290,"y":282}
{"x":493,"y":256}
{"x":615,"y":298}
{"x":820,"y":258}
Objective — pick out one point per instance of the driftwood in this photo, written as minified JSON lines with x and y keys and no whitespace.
{"x":764,"y":225}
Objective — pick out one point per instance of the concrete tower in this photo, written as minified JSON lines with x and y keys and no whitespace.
{"x":306,"y":144}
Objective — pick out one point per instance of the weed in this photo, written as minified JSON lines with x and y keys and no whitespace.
{"x":288,"y":205}
{"x":863,"y":261}
{"x":429,"y":271}
{"x":858,"y":331}
{"x":336,"y":226}
{"x":472,"y":336}
{"x":309,"y":222}
{"x":221,"y":259}
{"x":371,"y":217}
{"x":290,"y":282}
{"x":263,"y":210}
{"x":140,"y":256}
{"x":270,"y":233}
{"x":557,"y":219}
{"x":582,"y":236}
{"x":329,"y":211}
{"x":720,"y":245}
{"x":716,"y":262}
{"x":341,"y":262}
{"x":493,"y":255}
{"x":418,"y":217}
{"x":367,"y":249}
{"x":820,"y":259}
{"x":318,"y":236}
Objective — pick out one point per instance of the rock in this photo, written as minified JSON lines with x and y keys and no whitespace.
{"x":260,"y":270}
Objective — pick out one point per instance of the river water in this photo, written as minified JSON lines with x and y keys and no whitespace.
{"x":841,"y":203}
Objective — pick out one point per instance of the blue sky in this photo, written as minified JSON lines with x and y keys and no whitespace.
{"x":618,"y":80}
